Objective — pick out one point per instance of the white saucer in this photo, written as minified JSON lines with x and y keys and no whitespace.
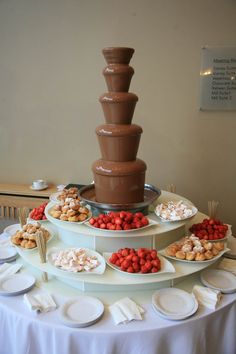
{"x":81,"y":312}
{"x":16,"y":284}
{"x":219,"y":280}
{"x":40,"y":188}
{"x":8,"y":254}
{"x":11,"y":229}
{"x":174,"y":304}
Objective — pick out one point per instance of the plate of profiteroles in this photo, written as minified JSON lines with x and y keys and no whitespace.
{"x":175,"y":210}
{"x":192,"y":249}
{"x":25,"y":238}
{"x":72,"y":210}
{"x":60,"y":197}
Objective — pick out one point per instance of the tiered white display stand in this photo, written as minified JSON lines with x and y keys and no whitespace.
{"x":80,"y":235}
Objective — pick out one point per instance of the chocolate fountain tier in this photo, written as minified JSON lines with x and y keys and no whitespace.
{"x":118,"y":77}
{"x":119,"y":182}
{"x":120,"y":55}
{"x":118,"y":107}
{"x":151,"y":193}
{"x":119,"y":142}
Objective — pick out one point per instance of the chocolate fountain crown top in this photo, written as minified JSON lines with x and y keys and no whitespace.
{"x":120,"y":55}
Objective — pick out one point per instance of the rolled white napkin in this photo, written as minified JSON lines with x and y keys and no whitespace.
{"x":41,"y":302}
{"x":125,"y":310}
{"x":8,"y":269}
{"x":228,"y":264}
{"x":207,"y":297}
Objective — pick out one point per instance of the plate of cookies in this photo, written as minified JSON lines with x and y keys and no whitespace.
{"x":72,"y":211}
{"x":25,"y":238}
{"x":191,"y":249}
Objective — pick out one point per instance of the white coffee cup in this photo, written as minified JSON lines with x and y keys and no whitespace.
{"x":39,"y":183}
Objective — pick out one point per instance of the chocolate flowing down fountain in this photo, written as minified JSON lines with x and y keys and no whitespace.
{"x":119,"y":176}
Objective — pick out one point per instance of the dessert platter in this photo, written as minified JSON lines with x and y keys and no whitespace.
{"x":119,"y":212}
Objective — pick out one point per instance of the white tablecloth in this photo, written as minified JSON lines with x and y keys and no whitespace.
{"x":207,"y":332}
{"x":24,"y":332}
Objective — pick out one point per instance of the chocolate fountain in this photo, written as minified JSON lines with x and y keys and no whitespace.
{"x":119,"y":176}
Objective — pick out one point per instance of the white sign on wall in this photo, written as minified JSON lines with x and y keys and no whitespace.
{"x":218,"y":78}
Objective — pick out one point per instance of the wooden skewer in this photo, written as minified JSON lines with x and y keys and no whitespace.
{"x":212,"y":208}
{"x":41,"y":244}
{"x":171,"y":188}
{"x":22,"y":212}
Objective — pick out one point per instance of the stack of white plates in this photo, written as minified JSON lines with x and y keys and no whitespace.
{"x":174,"y":304}
{"x":8,"y":254}
{"x":81,"y":312}
{"x":11,"y":229}
{"x":219,"y":280}
{"x":16,"y":284}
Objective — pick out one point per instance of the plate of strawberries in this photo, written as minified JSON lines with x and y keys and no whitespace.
{"x":142,"y":261}
{"x":211,"y":230}
{"x":121,"y":221}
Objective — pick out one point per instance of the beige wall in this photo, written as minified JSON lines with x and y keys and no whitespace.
{"x":50,"y":81}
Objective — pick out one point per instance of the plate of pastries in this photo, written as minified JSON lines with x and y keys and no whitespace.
{"x":25,"y":237}
{"x":65,"y":194}
{"x":192,"y":249}
{"x":71,"y":210}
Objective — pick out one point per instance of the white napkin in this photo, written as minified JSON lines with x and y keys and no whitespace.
{"x":41,"y":302}
{"x":228,"y":264}
{"x":125,"y":310}
{"x":8,"y":269}
{"x":207,"y":297}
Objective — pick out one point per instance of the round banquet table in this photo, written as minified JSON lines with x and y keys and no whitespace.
{"x":25,"y":332}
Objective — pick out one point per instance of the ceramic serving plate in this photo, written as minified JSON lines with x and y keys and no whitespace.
{"x":166,"y":267}
{"x":174,"y":304}
{"x":81,"y":312}
{"x":219,"y":280}
{"x":16,"y":284}
{"x":100,"y":269}
{"x":151,"y":223}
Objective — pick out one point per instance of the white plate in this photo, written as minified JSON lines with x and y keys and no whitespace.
{"x":151,"y":223}
{"x":219,"y":280}
{"x":81,"y":312}
{"x":11,"y":229}
{"x":166,"y":266}
{"x":7,"y":253}
{"x":16,"y":284}
{"x":163,"y":253}
{"x":194,"y":212}
{"x":174,"y":304}
{"x":231,"y":244}
{"x":98,"y":270}
{"x":39,"y":188}
{"x":53,"y":198}
{"x":31,"y":221}
{"x":227,"y":235}
{"x":61,"y":222}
